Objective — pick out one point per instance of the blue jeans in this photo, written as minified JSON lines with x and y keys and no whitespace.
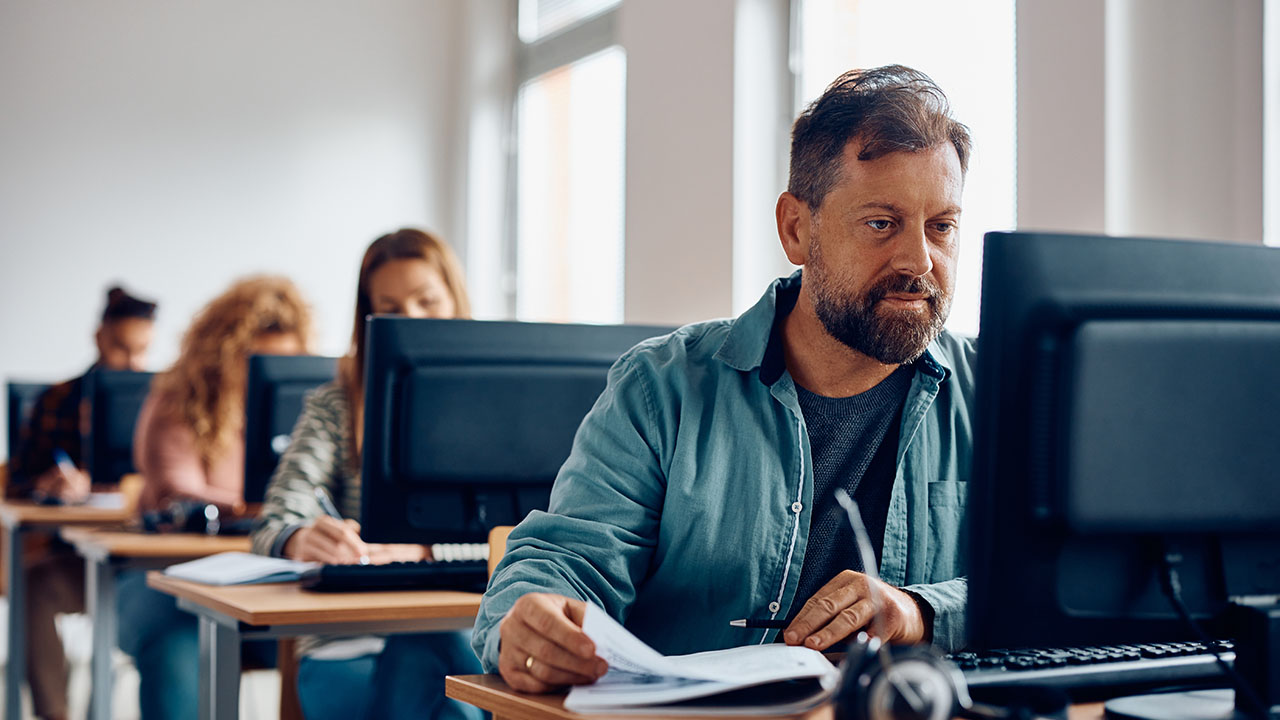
{"x":164,"y":643}
{"x":406,"y":680}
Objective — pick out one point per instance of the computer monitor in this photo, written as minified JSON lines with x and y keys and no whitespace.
{"x":113,"y":399}
{"x":21,"y":400}
{"x":1128,"y":412}
{"x":467,"y":422}
{"x":277,"y":387}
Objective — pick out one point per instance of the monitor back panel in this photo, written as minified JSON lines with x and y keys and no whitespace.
{"x":277,"y":389}
{"x":21,"y":400}
{"x":114,"y":399}
{"x":467,"y":422}
{"x":1126,"y":394}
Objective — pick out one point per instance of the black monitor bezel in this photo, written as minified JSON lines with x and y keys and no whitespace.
{"x":1037,"y":289}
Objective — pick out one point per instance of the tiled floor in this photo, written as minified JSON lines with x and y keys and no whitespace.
{"x":259,"y":690}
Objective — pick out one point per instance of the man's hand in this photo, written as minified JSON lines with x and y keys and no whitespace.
{"x":327,"y":540}
{"x":543,"y":647}
{"x":844,"y":606}
{"x":71,"y":486}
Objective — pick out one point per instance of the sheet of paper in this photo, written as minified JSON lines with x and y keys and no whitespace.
{"x":105,"y":500}
{"x":236,"y":568}
{"x":640,"y":676}
{"x":625,"y":652}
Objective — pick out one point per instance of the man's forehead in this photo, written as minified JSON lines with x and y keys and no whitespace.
{"x":899,"y":181}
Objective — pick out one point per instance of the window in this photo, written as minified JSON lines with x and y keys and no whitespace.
{"x":968,"y":49}
{"x":570,"y":134}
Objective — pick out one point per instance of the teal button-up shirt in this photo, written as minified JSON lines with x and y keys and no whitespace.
{"x":685,"y":501}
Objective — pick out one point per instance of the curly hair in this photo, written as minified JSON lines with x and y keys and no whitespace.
{"x":205,"y":387}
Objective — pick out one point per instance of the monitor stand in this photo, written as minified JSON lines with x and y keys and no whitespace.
{"x":1257,"y":647}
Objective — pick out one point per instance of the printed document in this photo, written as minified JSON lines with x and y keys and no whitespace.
{"x":785,"y":678}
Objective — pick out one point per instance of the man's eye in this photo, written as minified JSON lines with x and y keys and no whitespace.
{"x":880,"y":224}
{"x":945,"y":227}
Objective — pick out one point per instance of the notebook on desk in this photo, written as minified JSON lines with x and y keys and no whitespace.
{"x":239,"y":568}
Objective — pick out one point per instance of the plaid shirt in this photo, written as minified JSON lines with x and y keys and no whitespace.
{"x":54,"y":423}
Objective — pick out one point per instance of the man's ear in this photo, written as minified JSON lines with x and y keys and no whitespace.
{"x":794,"y":218}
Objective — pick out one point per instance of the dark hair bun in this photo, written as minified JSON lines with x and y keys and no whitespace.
{"x":121,"y":304}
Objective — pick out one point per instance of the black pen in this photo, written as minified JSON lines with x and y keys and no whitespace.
{"x":331,"y":510}
{"x":759,"y":623}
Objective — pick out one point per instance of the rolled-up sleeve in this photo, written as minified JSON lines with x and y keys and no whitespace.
{"x":596,"y":541}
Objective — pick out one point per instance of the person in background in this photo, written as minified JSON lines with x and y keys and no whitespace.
{"x":55,"y":573}
{"x":408,"y":273}
{"x":189,"y":446}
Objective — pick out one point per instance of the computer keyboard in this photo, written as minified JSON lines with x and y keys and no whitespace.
{"x":465,"y":575}
{"x":1094,"y":671}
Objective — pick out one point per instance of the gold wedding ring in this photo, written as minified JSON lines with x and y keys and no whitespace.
{"x":528,"y":664}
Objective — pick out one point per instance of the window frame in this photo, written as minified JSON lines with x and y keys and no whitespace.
{"x":532,"y":60}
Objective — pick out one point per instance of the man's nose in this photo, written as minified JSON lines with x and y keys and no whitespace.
{"x":911,"y":256}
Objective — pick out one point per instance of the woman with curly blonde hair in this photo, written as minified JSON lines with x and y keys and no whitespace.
{"x":190,"y":439}
{"x":189,"y":446}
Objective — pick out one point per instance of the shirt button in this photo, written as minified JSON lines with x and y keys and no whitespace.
{"x":774,"y":607}
{"x":796,"y":507}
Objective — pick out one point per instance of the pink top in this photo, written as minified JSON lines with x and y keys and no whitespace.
{"x":164,"y":450}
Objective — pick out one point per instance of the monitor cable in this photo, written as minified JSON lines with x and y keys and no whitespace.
{"x":1171,"y":584}
{"x":915,"y":682}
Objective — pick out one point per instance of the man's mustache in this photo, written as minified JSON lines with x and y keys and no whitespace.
{"x":903,"y":284}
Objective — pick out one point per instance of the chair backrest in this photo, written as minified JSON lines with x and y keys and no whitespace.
{"x":498,"y":544}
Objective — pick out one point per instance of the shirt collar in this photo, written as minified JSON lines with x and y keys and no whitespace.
{"x":755,"y":341}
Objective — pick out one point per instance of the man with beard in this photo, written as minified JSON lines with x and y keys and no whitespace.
{"x":700,"y":487}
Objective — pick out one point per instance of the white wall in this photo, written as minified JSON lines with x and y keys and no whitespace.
{"x":1184,"y":118}
{"x":1061,"y":123}
{"x":176,"y":145}
{"x":1141,"y":117}
{"x":679,"y":195}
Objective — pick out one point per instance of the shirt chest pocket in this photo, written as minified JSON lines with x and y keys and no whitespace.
{"x":947,"y":500}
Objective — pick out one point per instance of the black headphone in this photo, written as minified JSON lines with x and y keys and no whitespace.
{"x":915,"y":682}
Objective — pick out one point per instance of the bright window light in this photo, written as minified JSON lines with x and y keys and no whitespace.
{"x":569,"y":207}
{"x":968,"y":49}
{"x":541,"y":18}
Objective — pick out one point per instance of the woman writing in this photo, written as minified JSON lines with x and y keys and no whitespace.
{"x":412,"y":274}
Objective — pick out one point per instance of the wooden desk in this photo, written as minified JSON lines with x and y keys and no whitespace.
{"x":107,"y":553}
{"x":19,"y":518}
{"x":232,"y":614}
{"x":489,"y":692}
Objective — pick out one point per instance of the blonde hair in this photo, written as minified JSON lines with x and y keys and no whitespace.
{"x":403,"y":244}
{"x":205,"y":388}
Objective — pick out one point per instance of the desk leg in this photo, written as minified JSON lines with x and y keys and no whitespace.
{"x":15,"y":673}
{"x":219,"y":671}
{"x":101,"y":578}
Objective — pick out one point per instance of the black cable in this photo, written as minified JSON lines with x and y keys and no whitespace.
{"x":1172,"y":587}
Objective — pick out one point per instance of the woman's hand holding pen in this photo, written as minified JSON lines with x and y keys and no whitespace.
{"x":543,"y":647}
{"x":327,"y":540}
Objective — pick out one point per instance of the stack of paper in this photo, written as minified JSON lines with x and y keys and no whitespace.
{"x":784,"y":679}
{"x":237,"y":568}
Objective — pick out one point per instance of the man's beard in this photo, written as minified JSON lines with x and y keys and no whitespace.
{"x":891,"y":337}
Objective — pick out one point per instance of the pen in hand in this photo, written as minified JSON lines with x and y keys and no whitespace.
{"x":759,"y":623}
{"x":327,"y":505}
